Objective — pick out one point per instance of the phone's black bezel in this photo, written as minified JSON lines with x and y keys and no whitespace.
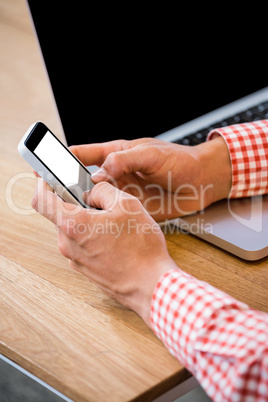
{"x":32,"y":141}
{"x":35,"y":136}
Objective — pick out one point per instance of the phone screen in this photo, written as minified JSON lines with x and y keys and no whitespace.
{"x":60,"y":162}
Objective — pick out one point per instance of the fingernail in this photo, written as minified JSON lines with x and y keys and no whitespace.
{"x":85,"y":195}
{"x":99,"y":174}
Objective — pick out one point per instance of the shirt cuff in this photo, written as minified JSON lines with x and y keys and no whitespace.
{"x":248,"y":148}
{"x":181,"y":306}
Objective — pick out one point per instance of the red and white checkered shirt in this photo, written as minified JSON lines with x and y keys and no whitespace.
{"x":220,"y":340}
{"x":248,"y":147}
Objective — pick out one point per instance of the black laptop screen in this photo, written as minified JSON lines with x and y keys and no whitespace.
{"x":130,"y":75}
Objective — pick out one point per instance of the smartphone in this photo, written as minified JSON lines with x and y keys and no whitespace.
{"x":59,"y":167}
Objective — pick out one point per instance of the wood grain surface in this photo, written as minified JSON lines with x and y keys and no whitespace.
{"x":53,"y":321}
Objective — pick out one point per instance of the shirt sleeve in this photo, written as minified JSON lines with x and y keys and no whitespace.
{"x":248,"y":148}
{"x":220,"y":340}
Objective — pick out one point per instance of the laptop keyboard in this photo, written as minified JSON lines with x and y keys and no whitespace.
{"x":259,"y":112}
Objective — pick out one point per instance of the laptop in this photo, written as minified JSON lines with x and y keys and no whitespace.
{"x":128,"y":75}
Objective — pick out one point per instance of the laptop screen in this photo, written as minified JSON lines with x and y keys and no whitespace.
{"x":129,"y":75}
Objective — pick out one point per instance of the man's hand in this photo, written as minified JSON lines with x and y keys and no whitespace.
{"x":119,"y":247}
{"x":170,"y":180}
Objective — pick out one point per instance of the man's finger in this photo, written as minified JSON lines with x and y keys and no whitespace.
{"x":120,"y":163}
{"x":105,"y":196}
{"x":95,"y":154}
{"x":50,"y":205}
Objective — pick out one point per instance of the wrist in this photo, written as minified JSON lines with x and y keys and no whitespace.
{"x":142,"y":299}
{"x":216,"y":169}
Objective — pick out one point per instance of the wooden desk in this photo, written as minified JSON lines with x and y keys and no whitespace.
{"x":53,"y":321}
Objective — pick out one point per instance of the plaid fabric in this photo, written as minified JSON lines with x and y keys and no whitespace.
{"x":248,"y":147}
{"x":220,"y":340}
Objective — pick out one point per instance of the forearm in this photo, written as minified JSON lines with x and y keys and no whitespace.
{"x":234,"y":161}
{"x":248,"y":149}
{"x":219,"y":339}
{"x":215,"y":169}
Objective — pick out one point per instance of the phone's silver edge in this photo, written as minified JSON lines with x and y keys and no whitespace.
{"x":216,"y":115}
{"x":41,"y":169}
